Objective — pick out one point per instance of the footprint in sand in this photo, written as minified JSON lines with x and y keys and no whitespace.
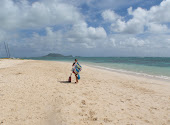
{"x":18,"y":73}
{"x":107,"y":120}
{"x":83,"y":102}
{"x":91,"y":116}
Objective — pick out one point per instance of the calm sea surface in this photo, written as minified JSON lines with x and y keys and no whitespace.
{"x":149,"y":66}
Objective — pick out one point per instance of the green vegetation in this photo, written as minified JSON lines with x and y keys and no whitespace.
{"x":56,"y":55}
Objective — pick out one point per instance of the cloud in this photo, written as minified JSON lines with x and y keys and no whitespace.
{"x":43,"y":26}
{"x":127,"y":41}
{"x":23,"y":15}
{"x":160,"y":14}
{"x":110,"y":16}
{"x":37,"y":44}
{"x":41,"y":14}
{"x":157,"y":28}
{"x":81,"y":33}
{"x":138,"y":45}
{"x":133,"y":42}
{"x":134,"y":25}
{"x":80,"y":36}
{"x":152,"y":20}
{"x":151,"y":41}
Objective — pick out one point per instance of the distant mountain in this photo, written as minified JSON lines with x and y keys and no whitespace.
{"x":56,"y":55}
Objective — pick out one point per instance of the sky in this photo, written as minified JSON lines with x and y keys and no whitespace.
{"x":88,"y":28}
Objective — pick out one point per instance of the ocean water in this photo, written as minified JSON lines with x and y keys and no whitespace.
{"x":146,"y":66}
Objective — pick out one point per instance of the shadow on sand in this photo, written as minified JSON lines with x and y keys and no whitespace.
{"x":66,"y":82}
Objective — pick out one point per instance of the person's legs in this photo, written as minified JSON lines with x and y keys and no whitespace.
{"x":76,"y":78}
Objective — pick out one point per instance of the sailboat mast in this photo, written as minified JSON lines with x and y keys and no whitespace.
{"x":6,"y":49}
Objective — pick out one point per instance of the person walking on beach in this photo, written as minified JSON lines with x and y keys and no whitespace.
{"x":74,"y":72}
{"x":76,"y":69}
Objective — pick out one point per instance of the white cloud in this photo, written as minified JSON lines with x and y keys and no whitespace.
{"x":81,"y":33}
{"x":142,"y":20}
{"x":43,"y":14}
{"x":144,"y":33}
{"x":152,"y":42}
{"x":96,"y":33}
{"x":160,"y":14}
{"x":37,"y":15}
{"x":157,"y":28}
{"x":78,"y":37}
{"x":112,"y":42}
{"x":133,"y":42}
{"x":134,"y":25}
{"x":110,"y":16}
{"x":52,"y":41}
{"x":127,"y":41}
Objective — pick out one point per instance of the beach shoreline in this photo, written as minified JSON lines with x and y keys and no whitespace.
{"x":37,"y":92}
{"x":121,"y":71}
{"x":143,"y":75}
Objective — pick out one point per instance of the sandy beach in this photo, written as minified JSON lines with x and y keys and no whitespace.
{"x":37,"y":93}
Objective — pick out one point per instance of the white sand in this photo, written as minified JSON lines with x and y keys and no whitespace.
{"x":4,"y":63}
{"x":36,"y":93}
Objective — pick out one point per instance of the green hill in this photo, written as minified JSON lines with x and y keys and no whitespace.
{"x":56,"y":55}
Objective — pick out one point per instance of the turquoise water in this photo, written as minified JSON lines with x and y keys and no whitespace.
{"x":153,"y":66}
